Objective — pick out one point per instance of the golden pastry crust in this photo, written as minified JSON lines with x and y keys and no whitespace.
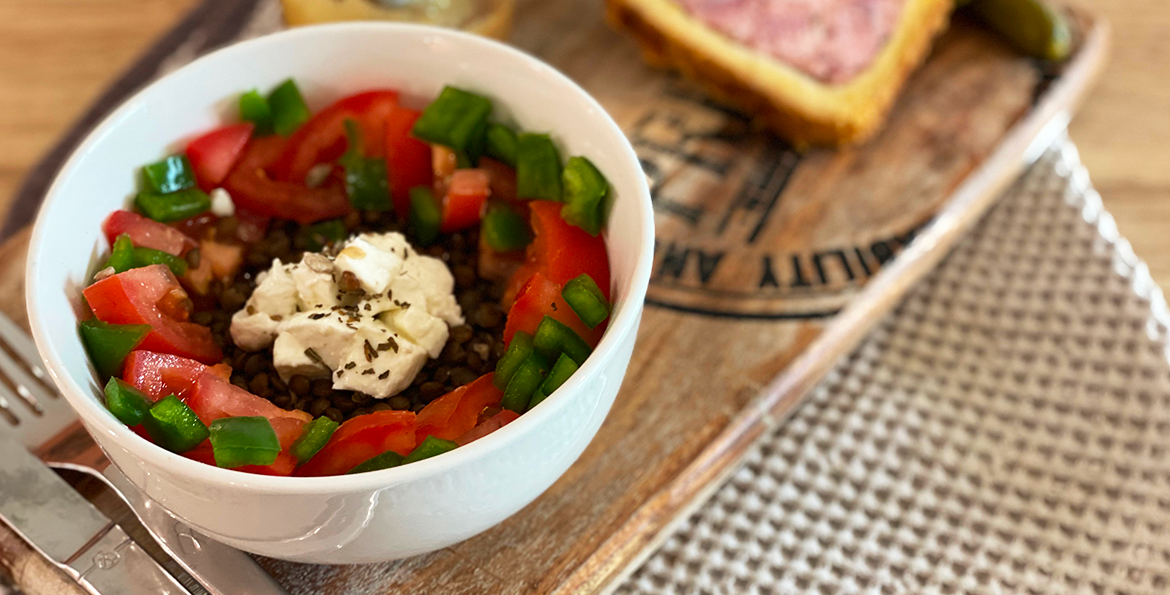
{"x":799,"y":108}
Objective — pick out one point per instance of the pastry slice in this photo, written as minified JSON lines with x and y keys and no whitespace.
{"x":818,"y":72}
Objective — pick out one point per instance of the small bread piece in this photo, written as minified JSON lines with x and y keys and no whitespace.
{"x":798,"y":107}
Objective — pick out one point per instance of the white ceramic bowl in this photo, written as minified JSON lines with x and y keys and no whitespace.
{"x":373,"y":516}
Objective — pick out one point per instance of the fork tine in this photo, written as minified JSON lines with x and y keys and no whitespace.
{"x":22,"y":345}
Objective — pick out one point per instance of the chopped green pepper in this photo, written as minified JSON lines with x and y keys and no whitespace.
{"x":122,"y":254}
{"x":169,"y":175}
{"x":585,"y":190}
{"x":173,"y":426}
{"x":538,"y":168}
{"x":425,"y":216}
{"x":366,"y":184}
{"x":148,"y":256}
{"x":127,"y":403}
{"x":501,"y":143}
{"x":455,"y":119}
{"x":518,"y":351}
{"x":553,"y":338}
{"x":288,"y":108}
{"x":239,"y":441}
{"x":557,"y":375}
{"x":504,"y":230}
{"x":254,"y":108}
{"x":175,"y":206}
{"x":314,"y":437}
{"x":430,"y":447}
{"x":109,"y":344}
{"x":385,"y":460}
{"x":586,"y":299}
{"x":319,"y":235}
{"x":524,"y":382}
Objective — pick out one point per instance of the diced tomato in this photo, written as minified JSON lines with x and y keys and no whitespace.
{"x":284,"y":465}
{"x":215,"y":398}
{"x":214,"y":154}
{"x":488,"y":426}
{"x":561,"y":251}
{"x":322,"y":139}
{"x":503,"y":181}
{"x":253,"y":190}
{"x":455,"y":413}
{"x":408,"y":160}
{"x":466,"y":196}
{"x":146,"y":233}
{"x":361,"y":438}
{"x":541,"y":297}
{"x":197,"y":227}
{"x":145,"y":296}
{"x":217,"y":260}
{"x":162,"y":374}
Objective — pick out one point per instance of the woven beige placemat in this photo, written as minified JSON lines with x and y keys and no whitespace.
{"x":1004,"y":431}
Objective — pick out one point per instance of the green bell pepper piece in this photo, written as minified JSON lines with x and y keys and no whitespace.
{"x":175,"y":206}
{"x":169,"y":175}
{"x":500,"y":143}
{"x":173,"y":426}
{"x":366,"y":184}
{"x":455,"y":119}
{"x":127,"y":403}
{"x":585,"y":191}
{"x":288,"y":108}
{"x":524,"y":382}
{"x":538,"y":168}
{"x":430,"y":447}
{"x":385,"y":460}
{"x":315,"y":436}
{"x":553,"y":338}
{"x":122,"y":254}
{"x":557,"y":375}
{"x":586,"y":299}
{"x":147,"y":256}
{"x":239,"y":441}
{"x":254,"y":108}
{"x":504,"y":230}
{"x":109,"y":344}
{"x":518,"y":351}
{"x":425,"y":215}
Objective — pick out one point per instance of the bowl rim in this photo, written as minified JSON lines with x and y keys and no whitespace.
{"x":80,"y":398}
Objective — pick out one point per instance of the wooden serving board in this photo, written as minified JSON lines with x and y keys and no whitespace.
{"x":769,"y":266}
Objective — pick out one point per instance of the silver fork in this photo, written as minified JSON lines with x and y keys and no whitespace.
{"x":32,"y":411}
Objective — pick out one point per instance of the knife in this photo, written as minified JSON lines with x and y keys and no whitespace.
{"x":65,"y":528}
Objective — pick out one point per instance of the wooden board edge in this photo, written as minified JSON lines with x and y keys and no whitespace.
{"x":621,"y":553}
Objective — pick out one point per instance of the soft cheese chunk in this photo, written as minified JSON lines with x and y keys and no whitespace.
{"x":373,"y":339}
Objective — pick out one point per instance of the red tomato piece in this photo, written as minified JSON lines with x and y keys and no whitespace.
{"x":145,"y":296}
{"x":455,"y":413}
{"x":215,"y":398}
{"x":322,"y":139}
{"x":466,"y":196}
{"x":146,"y":233}
{"x":565,"y":251}
{"x":253,"y":190}
{"x":360,"y":439}
{"x":488,"y":426}
{"x":541,"y":297}
{"x":162,"y":374}
{"x":213,"y":155}
{"x":408,"y":160}
{"x":284,"y":465}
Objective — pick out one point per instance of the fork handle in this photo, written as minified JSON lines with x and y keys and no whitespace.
{"x":34,"y":574}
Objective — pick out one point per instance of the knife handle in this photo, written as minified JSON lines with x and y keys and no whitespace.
{"x":31,"y":571}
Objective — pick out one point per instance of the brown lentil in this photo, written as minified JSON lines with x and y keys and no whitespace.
{"x":471,"y":350}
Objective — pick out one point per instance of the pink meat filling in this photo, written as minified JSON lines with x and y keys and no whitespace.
{"x":830,"y":40}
